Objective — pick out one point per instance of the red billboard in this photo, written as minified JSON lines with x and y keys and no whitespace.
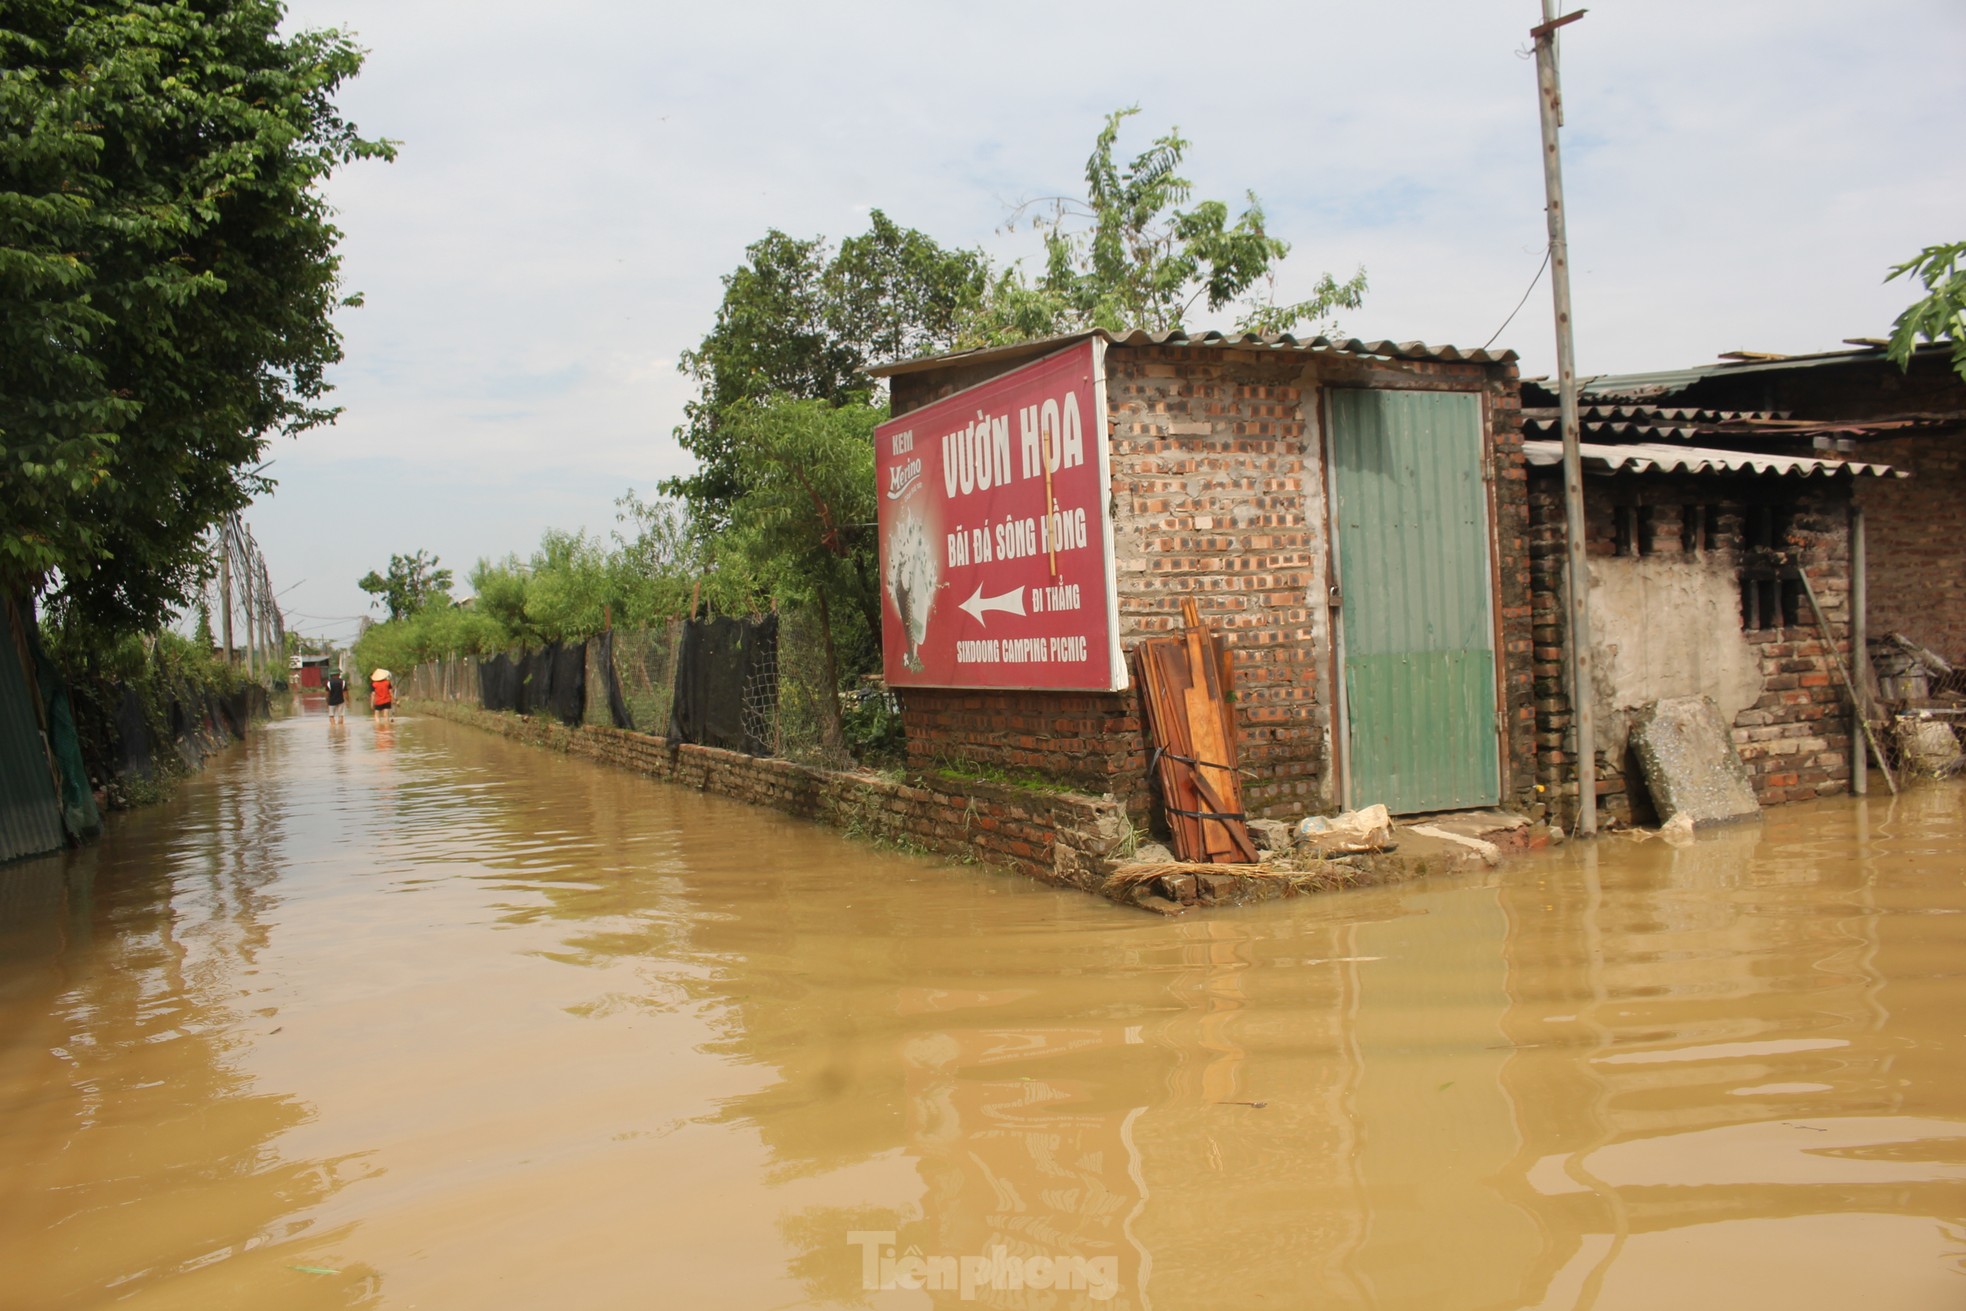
{"x":996,"y":549}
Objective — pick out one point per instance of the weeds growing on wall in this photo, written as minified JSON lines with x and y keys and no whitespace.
{"x":136,"y":699}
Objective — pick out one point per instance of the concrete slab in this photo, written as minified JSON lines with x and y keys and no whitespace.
{"x":1689,"y":763}
{"x":1491,"y":855}
{"x":1474,"y":823}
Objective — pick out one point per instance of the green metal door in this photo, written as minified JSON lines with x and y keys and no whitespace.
{"x":1416,"y":612}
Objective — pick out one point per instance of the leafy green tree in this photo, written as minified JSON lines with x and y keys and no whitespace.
{"x":571,"y":588}
{"x":413,"y":583}
{"x":659,"y":558}
{"x":499,"y":591}
{"x":1129,"y":256}
{"x":800,"y":320}
{"x":803,"y":531}
{"x":168,"y":275}
{"x":1941,"y":314}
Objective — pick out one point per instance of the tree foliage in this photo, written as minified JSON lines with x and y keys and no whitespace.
{"x":413,"y":583}
{"x":804,"y":531}
{"x":1130,"y":256}
{"x":1941,"y":314}
{"x":801,"y":320}
{"x":167,"y":279}
{"x":570,"y":588}
{"x":805,"y":524}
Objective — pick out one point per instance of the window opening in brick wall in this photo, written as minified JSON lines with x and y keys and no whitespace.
{"x":1771,"y":597}
{"x":1765,"y":527}
{"x":1632,"y":531}
{"x":1699,"y":529}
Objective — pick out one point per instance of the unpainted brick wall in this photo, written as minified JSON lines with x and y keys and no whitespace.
{"x":1796,"y":739}
{"x":1915,"y":540}
{"x":1052,"y":837}
{"x":1219,"y":494}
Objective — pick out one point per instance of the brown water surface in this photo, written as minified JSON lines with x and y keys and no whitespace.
{"x":417,"y":1017}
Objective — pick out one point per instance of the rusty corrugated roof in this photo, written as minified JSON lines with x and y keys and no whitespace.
{"x":1669,"y":382}
{"x":1281,"y":342}
{"x":1650,"y":457}
{"x":1619,"y":424}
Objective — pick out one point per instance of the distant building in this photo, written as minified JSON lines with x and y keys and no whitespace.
{"x":310,"y":671}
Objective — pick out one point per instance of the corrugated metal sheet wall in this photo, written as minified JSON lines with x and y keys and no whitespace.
{"x":30,"y":807}
{"x":1413,"y":565}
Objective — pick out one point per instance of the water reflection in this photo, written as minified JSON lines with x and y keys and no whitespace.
{"x":125,"y":1075}
{"x":1725,"y":1081}
{"x":461,"y":1022}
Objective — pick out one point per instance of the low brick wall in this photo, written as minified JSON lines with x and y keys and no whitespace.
{"x":1063,"y":838}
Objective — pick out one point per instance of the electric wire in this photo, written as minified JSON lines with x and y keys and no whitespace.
{"x":1524,"y":301}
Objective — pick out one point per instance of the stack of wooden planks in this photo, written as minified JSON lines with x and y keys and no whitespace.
{"x":1185,"y":683}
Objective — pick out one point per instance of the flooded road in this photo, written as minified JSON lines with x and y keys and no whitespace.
{"x":417,"y":1017}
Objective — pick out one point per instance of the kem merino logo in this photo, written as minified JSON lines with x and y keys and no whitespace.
{"x":881,"y":1270}
{"x":903,"y":475}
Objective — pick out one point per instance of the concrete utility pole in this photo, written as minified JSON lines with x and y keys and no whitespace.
{"x":1582,"y":715}
{"x":247,"y":597}
{"x":225,"y":583}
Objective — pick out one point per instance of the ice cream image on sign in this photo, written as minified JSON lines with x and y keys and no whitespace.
{"x":911,"y":582}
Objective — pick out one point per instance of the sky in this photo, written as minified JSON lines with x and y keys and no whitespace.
{"x":575,"y":179}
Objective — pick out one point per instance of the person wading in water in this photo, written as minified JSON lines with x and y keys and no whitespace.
{"x":382,"y":697}
{"x":337,"y":697}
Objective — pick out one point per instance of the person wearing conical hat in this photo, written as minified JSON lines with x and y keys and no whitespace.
{"x":382,"y":695}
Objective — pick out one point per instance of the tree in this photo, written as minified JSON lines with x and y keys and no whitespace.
{"x":413,"y":583}
{"x":1941,"y":314}
{"x":801,"y":321}
{"x":167,"y":280}
{"x":570,"y":587}
{"x":1128,"y":256}
{"x":803,"y":531}
{"x":659,"y":560}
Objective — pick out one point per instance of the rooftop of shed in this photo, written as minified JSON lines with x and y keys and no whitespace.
{"x":1281,"y":343}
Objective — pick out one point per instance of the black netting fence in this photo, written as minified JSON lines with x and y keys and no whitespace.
{"x":605,"y":705}
{"x":455,"y":679}
{"x":809,"y":705}
{"x":761,"y":685}
{"x":498,"y":683}
{"x":645,"y":675}
{"x":726,"y":692}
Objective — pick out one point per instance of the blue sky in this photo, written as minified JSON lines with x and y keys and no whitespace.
{"x":574,"y":180}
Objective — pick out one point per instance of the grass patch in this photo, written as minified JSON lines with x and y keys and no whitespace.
{"x":1027,"y":780}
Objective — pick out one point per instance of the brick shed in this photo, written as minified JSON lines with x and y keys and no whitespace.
{"x":1855,"y":403}
{"x":1698,"y":556}
{"x":1352,"y":516}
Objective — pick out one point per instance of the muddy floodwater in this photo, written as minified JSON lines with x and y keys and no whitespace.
{"x":418,"y":1017}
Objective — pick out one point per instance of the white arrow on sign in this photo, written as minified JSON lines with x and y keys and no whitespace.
{"x":1011,"y":602}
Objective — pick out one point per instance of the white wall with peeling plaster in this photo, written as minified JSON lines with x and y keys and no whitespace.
{"x":1665,"y":628}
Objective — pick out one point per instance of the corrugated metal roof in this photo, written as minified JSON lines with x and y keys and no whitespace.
{"x":1635,"y":424}
{"x":1674,"y":414}
{"x":1281,"y":342}
{"x":1640,"y":386}
{"x":1653,"y":458}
